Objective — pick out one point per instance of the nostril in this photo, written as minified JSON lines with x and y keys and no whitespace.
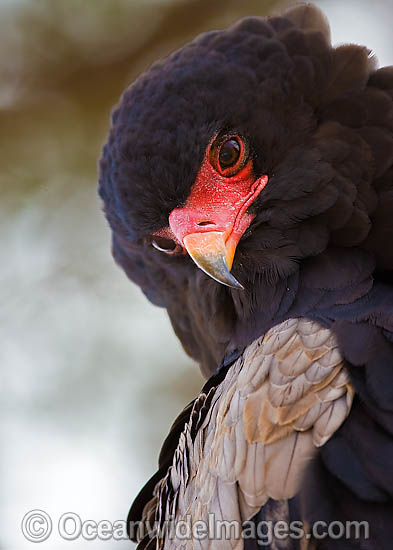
{"x":206,"y":223}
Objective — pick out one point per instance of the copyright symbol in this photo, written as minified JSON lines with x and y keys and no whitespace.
{"x":36,"y":526}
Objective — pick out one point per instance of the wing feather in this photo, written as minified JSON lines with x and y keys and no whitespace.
{"x":278,"y":403}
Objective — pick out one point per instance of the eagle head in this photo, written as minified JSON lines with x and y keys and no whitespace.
{"x":241,"y":159}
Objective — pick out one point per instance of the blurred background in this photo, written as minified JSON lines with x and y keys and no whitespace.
{"x":92,"y":375}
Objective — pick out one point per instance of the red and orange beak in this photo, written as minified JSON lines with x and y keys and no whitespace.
{"x":213,"y":253}
{"x":215,"y":217}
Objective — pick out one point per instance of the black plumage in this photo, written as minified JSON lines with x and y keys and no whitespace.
{"x":319,"y":122}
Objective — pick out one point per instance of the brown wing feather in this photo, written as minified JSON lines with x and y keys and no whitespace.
{"x":282,"y":399}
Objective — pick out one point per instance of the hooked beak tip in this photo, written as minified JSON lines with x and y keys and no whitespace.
{"x":211,"y":254}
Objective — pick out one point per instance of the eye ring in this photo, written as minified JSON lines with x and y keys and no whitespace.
{"x":228,"y":154}
{"x":167,"y":246}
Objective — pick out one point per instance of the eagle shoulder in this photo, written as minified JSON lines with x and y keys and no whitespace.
{"x":250,"y":438}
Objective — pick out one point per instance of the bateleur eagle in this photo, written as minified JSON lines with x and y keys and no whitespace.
{"x":248,"y":183}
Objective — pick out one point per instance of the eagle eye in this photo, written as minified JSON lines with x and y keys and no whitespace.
{"x":228,"y":154}
{"x":168,"y":246}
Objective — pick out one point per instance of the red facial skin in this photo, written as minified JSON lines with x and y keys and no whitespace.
{"x":217,"y":203}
